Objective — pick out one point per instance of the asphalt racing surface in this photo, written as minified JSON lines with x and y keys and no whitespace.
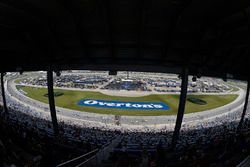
{"x":126,"y":122}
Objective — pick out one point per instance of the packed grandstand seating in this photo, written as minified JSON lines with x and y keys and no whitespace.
{"x":29,"y":130}
{"x":210,"y":143}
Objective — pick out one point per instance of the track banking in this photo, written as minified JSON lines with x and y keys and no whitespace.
{"x":123,"y":105}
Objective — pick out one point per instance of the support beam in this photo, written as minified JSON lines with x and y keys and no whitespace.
{"x":245,"y":108}
{"x":52,"y":101}
{"x":5,"y":108}
{"x":247,"y":19}
{"x":181,"y":109}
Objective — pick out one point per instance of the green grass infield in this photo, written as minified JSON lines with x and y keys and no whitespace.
{"x":70,"y":98}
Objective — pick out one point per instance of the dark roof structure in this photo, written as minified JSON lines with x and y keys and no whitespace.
{"x":210,"y":37}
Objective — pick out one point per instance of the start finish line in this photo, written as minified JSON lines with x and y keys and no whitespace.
{"x":123,"y":105}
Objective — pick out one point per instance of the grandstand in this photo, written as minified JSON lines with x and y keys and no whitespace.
{"x":124,"y":83}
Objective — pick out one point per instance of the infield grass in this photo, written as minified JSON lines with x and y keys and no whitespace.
{"x":70,"y":98}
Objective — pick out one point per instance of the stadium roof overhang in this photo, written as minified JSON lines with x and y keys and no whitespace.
{"x":210,"y":37}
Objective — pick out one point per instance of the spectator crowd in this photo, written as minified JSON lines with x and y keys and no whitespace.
{"x":27,"y":138}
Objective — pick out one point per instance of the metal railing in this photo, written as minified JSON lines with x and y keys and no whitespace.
{"x":92,"y":161}
{"x":245,"y":162}
{"x":77,"y":160}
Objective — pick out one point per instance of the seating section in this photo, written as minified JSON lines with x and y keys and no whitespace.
{"x":27,"y":139}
